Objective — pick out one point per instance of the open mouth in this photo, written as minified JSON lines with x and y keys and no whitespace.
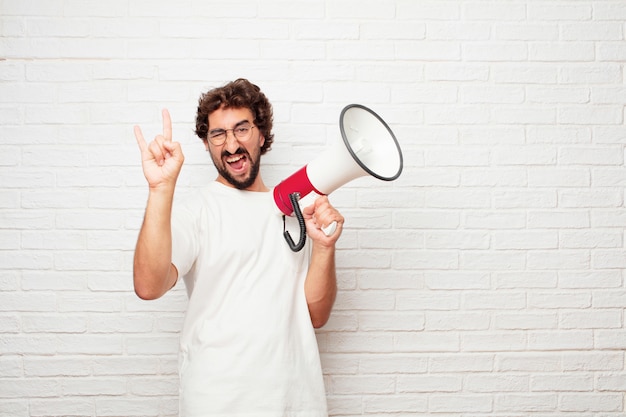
{"x":237,"y":162}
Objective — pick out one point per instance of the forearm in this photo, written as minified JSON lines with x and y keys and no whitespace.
{"x":153,"y":273}
{"x":320,"y":286}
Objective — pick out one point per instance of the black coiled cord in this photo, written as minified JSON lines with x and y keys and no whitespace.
{"x":294,"y":197}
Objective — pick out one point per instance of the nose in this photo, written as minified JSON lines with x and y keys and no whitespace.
{"x":231,"y":143}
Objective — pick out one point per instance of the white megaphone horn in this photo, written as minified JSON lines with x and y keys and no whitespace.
{"x":369,"y":148}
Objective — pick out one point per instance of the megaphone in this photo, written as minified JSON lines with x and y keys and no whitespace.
{"x":369,"y":148}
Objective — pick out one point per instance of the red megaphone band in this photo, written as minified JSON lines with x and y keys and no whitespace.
{"x":298,"y":182}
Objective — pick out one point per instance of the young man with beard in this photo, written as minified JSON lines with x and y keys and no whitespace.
{"x":248,"y":344}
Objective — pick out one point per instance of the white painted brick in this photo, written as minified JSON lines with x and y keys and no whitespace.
{"x":381,"y":321}
{"x":616,"y":382}
{"x":497,"y":383}
{"x":610,"y":339}
{"x":609,"y":298}
{"x":425,"y":301}
{"x":401,"y":404}
{"x":526,"y":31}
{"x":387,"y":364}
{"x":590,"y":279}
{"x":440,"y":321}
{"x":493,"y":342}
{"x":526,"y":321}
{"x":131,"y":407}
{"x":11,"y":366}
{"x":526,"y":402}
{"x":60,"y":407}
{"x":558,"y":219}
{"x":528,"y":362}
{"x":345,"y":364}
{"x":455,"y":403}
{"x":592,"y":402}
{"x":124,"y":365}
{"x":562,"y":383}
{"x":347,"y":322}
{"x":559,"y":299}
{"x":391,"y":239}
{"x":487,"y":280}
{"x":150,"y":345}
{"x":495,"y":301}
{"x":106,"y":323}
{"x":153,"y":386}
{"x":53,"y":323}
{"x":362,"y":384}
{"x":606,"y":319}
{"x":15,"y":388}
{"x":559,"y":134}
{"x":494,"y":220}
{"x":593,"y":361}
{"x":457,"y":30}
{"x":590,"y":75}
{"x":611,"y":52}
{"x":55,"y":367}
{"x":86,"y":344}
{"x":607,"y":115}
{"x":560,"y":11}
{"x":429,"y":383}
{"x":421,"y":342}
{"x":567,"y":95}
{"x":561,"y":52}
{"x":451,"y":280}
{"x":563,"y":259}
{"x":359,"y":342}
{"x":495,"y":51}
{"x":560,"y":340}
{"x":493,"y":260}
{"x":594,"y":31}
{"x":590,"y":239}
{"x":527,"y":239}
{"x":9,"y":324}
{"x":461,"y":363}
{"x":15,"y":408}
{"x":88,"y":386}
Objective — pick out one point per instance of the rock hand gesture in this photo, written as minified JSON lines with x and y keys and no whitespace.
{"x":162,"y":159}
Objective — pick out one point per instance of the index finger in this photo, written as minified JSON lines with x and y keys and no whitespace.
{"x":167,"y":125}
{"x":143,"y":146}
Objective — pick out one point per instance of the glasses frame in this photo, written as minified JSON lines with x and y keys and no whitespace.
{"x":225,"y":133}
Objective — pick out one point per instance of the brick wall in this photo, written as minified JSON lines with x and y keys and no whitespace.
{"x":486,"y":281}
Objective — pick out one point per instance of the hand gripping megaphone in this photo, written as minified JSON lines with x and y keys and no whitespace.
{"x":369,"y":148}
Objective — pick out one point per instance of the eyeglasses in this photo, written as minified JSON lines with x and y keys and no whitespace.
{"x":242,"y":133}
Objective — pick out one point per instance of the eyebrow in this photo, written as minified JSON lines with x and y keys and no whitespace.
{"x":234,"y":127}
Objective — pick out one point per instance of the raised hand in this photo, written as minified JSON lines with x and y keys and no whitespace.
{"x":162,"y":159}
{"x":320,"y":215}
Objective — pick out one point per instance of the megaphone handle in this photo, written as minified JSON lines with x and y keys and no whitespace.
{"x":298,"y":213}
{"x":330,"y":229}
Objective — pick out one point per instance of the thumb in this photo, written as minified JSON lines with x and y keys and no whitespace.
{"x":173,"y":148}
{"x":308,"y":211}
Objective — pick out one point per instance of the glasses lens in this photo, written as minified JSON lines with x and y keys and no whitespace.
{"x":217,"y":137}
{"x":242,"y":132}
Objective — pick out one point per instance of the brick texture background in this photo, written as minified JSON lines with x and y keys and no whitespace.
{"x":487,"y":281}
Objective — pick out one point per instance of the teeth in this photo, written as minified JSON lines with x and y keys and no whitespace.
{"x":234,"y":158}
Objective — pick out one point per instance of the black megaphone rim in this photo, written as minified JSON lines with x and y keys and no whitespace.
{"x":354,"y":155}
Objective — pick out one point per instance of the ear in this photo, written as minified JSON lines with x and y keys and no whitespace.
{"x":206,"y":144}
{"x":261,"y":140}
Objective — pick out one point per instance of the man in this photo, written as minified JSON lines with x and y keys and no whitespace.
{"x":248,"y":344}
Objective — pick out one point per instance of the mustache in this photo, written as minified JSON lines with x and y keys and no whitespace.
{"x":239,"y":150}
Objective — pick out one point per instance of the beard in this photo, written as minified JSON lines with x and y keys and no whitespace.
{"x":253,"y":173}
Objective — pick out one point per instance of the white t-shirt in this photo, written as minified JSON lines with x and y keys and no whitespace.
{"x":247,"y":347}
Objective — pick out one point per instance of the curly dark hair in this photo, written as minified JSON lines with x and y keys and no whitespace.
{"x":240,"y":93}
